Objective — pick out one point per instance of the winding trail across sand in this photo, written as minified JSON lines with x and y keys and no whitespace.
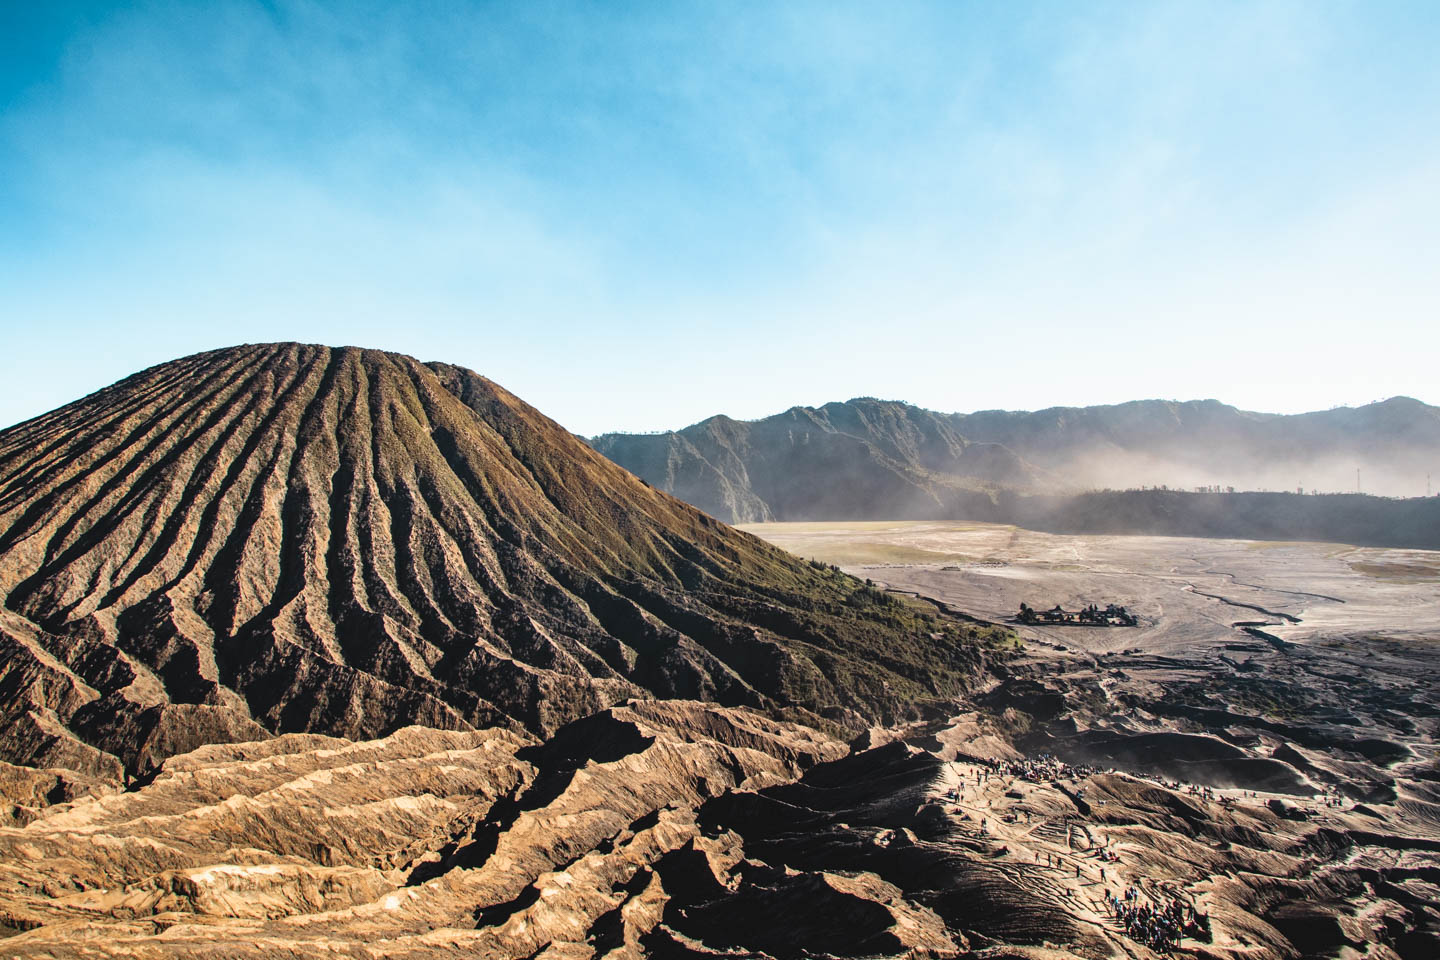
{"x":1287,"y":617}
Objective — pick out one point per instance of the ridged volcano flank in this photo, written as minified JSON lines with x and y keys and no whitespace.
{"x":295,"y":538}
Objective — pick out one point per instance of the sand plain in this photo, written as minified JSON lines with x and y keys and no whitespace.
{"x":1187,"y":591}
{"x":1271,"y":688}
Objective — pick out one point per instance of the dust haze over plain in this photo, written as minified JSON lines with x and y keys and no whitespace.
{"x":1180,"y":469}
{"x":639,"y":221}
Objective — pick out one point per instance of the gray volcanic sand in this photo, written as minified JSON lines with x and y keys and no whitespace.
{"x":1306,"y":747}
{"x":1186,"y":591}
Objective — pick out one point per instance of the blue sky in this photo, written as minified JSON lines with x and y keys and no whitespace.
{"x":637,"y":215}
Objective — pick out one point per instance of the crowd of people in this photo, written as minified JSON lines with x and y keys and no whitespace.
{"x":1160,"y":928}
{"x":1043,"y":769}
{"x":1197,"y":790}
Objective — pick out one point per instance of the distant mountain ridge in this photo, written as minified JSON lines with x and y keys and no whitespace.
{"x":1394,"y":442}
{"x":877,"y":459}
{"x":836,"y":460}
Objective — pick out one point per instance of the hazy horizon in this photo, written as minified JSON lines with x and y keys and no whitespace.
{"x":636,"y":221}
{"x":765,"y":415}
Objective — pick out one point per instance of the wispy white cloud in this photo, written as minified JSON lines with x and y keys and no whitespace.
{"x":625,"y":218}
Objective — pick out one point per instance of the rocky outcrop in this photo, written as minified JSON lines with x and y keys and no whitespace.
{"x":685,"y":829}
{"x":435,"y":842}
{"x":287,"y":538}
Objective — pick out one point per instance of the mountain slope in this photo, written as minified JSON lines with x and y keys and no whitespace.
{"x":867,"y":458}
{"x":842,"y":459}
{"x":293,"y":538}
{"x":1395,"y":443}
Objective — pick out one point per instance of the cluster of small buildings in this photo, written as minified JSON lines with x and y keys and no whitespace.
{"x":1091,"y":616}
